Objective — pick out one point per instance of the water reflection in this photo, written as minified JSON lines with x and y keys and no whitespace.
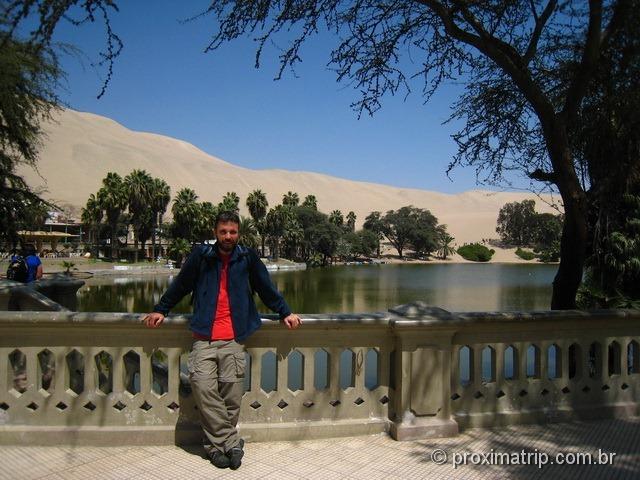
{"x":461,"y":287}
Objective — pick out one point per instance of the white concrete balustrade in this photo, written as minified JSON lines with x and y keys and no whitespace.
{"x":415,"y":371}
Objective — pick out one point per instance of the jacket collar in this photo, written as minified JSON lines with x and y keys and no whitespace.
{"x":213,"y":253}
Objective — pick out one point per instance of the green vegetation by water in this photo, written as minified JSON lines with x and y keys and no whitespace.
{"x":361,"y":288}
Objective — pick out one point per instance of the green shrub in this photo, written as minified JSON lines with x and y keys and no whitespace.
{"x":525,"y":254}
{"x":550,"y":253}
{"x":475,"y":252}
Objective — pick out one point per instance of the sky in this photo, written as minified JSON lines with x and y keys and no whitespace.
{"x":164,"y":83}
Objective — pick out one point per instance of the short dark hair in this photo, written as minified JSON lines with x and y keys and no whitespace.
{"x":29,"y":249}
{"x":227,"y":216}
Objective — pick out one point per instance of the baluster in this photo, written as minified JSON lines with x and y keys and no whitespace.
{"x":544,"y":359}
{"x":307,"y":373}
{"x":173,"y":366}
{"x":282,"y":372}
{"x":521,"y":373}
{"x":146,"y":377}
{"x":359,"y":368}
{"x":31,"y":357}
{"x":334,"y":371}
{"x":476,"y":362}
{"x":499,"y":366}
{"x":5,"y":371}
{"x":118,"y":368}
{"x":256,"y":369}
{"x":90,"y":370}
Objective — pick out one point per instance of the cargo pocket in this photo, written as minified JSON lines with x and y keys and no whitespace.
{"x":190,"y":362}
{"x":240,"y":364}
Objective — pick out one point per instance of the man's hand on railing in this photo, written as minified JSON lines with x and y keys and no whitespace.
{"x":153,"y":319}
{"x":293,"y":321}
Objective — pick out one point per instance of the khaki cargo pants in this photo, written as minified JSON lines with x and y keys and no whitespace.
{"x":216,"y":370}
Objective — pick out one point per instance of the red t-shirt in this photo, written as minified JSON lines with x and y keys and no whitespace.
{"x":222,"y":328}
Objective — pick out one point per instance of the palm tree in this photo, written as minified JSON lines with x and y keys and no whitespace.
{"x":248,"y":232}
{"x":92,"y":216}
{"x":293,"y":236}
{"x":351,"y":222}
{"x":290,"y":199}
{"x":230,"y":202}
{"x":160,"y":197}
{"x":139,"y":185}
{"x":185,"y":211}
{"x":112,"y":198}
{"x":336,"y":218}
{"x":178,"y":249}
{"x":257,"y":204}
{"x":206,"y":221}
{"x":445,"y":248}
{"x":275,"y":228}
{"x":310,"y":201}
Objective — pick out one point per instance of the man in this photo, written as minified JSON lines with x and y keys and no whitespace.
{"x":34,"y":264}
{"x":222,"y":278}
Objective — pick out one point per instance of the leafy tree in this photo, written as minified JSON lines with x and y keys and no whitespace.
{"x":410,"y":226}
{"x":112,"y":198}
{"x":608,"y":145}
{"x":527,"y":65}
{"x":373,"y":222}
{"x":308,"y":217}
{"x":360,"y":243}
{"x":257,"y":204}
{"x":310,"y":201}
{"x":29,"y":77}
{"x":424,"y":239}
{"x":547,"y":229}
{"x":516,"y":223}
{"x":612,"y":278}
{"x":325,"y":238}
{"x":368,"y":244}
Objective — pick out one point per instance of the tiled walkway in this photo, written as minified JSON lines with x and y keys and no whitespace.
{"x":374,"y":457}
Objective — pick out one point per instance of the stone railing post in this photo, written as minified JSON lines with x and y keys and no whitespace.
{"x":422,"y":372}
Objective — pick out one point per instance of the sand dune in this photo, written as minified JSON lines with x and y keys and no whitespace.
{"x":82,"y":147}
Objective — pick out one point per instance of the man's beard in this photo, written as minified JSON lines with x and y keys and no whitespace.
{"x":226,"y":247}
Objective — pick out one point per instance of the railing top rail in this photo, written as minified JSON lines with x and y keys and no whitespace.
{"x":410,"y":316}
{"x":117,"y":318}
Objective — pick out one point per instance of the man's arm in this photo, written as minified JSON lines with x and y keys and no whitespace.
{"x":268,"y":293}
{"x":183,"y":284}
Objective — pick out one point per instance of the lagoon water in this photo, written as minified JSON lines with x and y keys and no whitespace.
{"x":358,"y":288}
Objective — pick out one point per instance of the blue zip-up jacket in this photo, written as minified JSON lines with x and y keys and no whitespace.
{"x":200,"y":275}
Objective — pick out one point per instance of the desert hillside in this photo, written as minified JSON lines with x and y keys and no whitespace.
{"x":81,"y":148}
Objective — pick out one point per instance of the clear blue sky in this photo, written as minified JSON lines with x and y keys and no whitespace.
{"x":164,"y":83}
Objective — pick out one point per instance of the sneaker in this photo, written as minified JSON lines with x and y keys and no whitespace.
{"x":219,"y":459}
{"x":235,"y":455}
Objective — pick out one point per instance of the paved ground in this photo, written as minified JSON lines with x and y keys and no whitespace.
{"x":489,"y":453}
